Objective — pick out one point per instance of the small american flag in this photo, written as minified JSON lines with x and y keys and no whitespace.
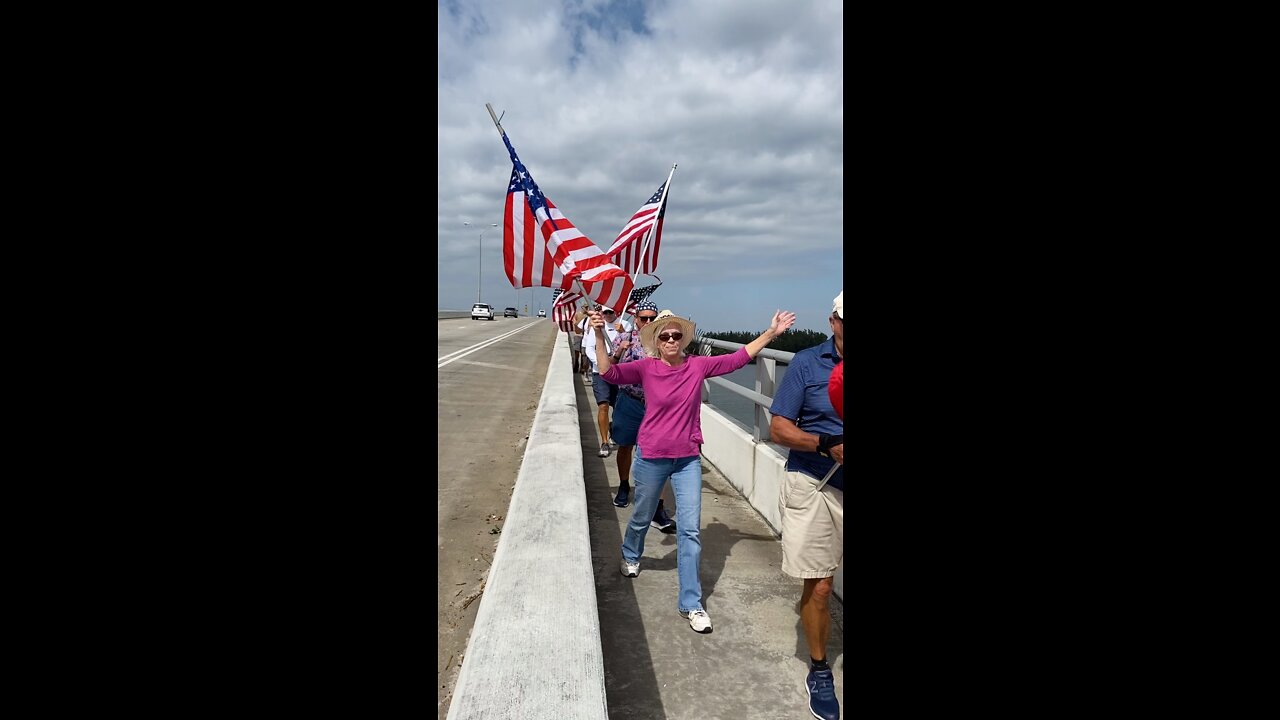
{"x":562,"y":315}
{"x":639,"y":295}
{"x":626,"y":248}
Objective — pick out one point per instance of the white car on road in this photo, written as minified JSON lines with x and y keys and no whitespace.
{"x":481,"y":311}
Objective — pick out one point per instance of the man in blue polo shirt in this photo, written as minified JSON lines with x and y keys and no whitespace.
{"x":812,"y":512}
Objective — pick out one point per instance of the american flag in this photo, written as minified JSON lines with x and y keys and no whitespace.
{"x":637,"y":295}
{"x":562,"y":315}
{"x":640,"y":294}
{"x":627,"y":246}
{"x":542,"y":248}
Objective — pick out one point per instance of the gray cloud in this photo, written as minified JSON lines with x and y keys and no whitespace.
{"x":601,"y":98}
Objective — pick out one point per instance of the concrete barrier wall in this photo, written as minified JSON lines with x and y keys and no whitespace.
{"x":757,"y":471}
{"x":533,"y":652}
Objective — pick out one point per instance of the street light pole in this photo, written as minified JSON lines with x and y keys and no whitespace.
{"x":480,"y":256}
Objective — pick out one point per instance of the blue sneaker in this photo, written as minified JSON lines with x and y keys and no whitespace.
{"x":623,"y":496}
{"x":663,"y":522}
{"x":822,"y":694}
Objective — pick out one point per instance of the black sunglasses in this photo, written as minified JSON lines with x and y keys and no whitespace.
{"x":671,"y":336}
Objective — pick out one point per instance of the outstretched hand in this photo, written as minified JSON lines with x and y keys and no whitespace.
{"x":782,"y":320}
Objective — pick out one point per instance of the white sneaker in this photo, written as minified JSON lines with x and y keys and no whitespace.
{"x":699,"y":620}
{"x":630,"y":569}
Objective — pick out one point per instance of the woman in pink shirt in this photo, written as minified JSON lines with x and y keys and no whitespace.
{"x":669,"y":443}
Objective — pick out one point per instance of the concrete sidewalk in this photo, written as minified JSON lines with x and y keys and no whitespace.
{"x":753,"y":665}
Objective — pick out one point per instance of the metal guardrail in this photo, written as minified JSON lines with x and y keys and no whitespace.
{"x":766,"y":381}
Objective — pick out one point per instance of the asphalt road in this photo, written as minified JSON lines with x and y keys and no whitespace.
{"x":489,"y":378}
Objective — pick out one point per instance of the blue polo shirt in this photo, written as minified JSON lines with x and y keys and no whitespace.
{"x":802,"y":397}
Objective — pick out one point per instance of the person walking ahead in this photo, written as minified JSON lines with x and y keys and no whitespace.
{"x":606,"y":392}
{"x":668,"y":446}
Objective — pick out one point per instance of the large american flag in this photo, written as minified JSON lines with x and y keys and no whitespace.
{"x":627,"y":246}
{"x":542,"y":248}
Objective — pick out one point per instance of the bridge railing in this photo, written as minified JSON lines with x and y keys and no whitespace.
{"x":746,"y":458}
{"x":766,"y":381}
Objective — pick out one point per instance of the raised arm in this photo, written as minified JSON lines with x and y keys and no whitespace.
{"x":603,"y":360}
{"x":782,"y":320}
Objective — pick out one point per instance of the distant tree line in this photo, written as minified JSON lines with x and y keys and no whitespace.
{"x":790,"y":341}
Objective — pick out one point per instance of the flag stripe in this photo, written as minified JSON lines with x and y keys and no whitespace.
{"x":524,"y":253}
{"x":562,"y":314}
{"x":625,"y":249}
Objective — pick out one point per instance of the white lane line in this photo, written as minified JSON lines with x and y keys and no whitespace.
{"x":459,"y":354}
{"x":483,"y":343}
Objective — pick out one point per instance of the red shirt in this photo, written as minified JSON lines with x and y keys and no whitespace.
{"x":835,"y":389}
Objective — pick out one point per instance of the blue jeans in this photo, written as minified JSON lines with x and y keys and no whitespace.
{"x":648,"y":477}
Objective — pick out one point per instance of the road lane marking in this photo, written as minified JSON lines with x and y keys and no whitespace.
{"x":459,"y":354}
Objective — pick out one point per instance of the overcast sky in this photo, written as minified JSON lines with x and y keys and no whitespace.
{"x":601,"y":98}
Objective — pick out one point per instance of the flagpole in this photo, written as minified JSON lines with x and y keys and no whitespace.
{"x":644,"y":245}
{"x":830,"y":472}
{"x":496,"y":124}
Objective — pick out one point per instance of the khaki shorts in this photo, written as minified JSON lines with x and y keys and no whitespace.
{"x":812,"y":527}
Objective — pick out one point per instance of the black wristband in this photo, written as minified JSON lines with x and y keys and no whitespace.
{"x":826,"y":442}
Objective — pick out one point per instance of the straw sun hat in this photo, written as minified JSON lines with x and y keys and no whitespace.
{"x":649,"y":334}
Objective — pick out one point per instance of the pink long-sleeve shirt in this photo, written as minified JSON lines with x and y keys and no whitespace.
{"x":672,"y":425}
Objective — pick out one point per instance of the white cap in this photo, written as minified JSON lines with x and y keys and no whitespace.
{"x":839,"y":306}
